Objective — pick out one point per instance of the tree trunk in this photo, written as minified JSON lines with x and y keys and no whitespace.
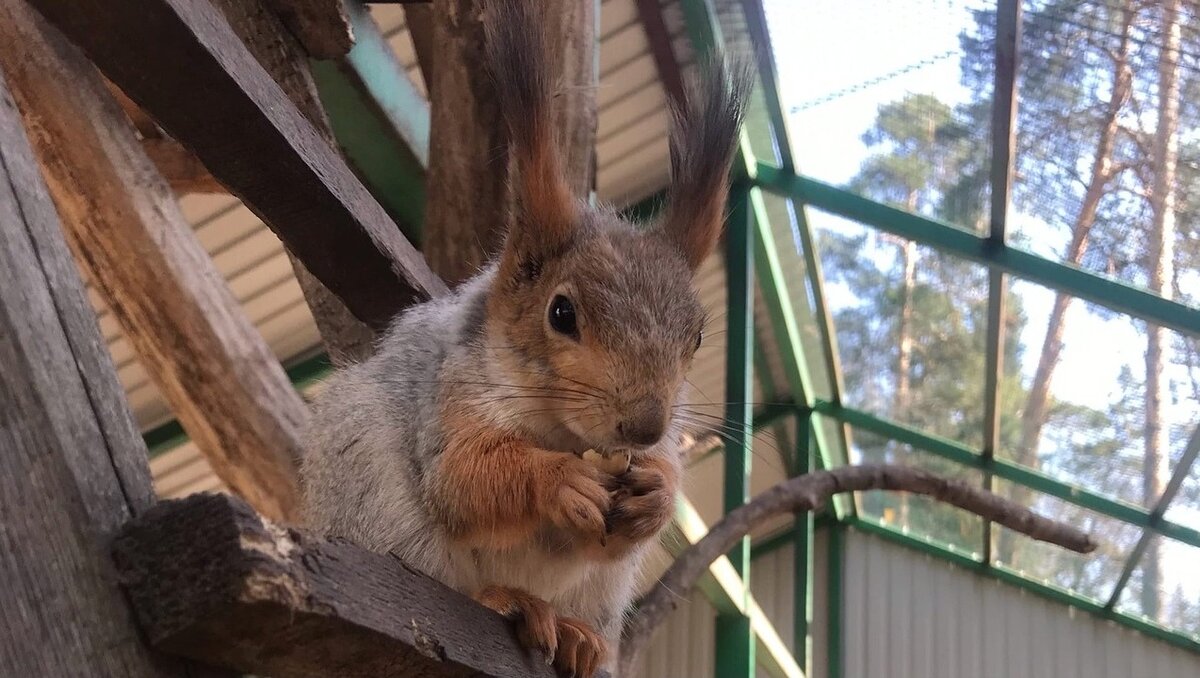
{"x":1037,"y":405}
{"x":903,"y":402}
{"x":468,"y":197}
{"x":1156,"y":471}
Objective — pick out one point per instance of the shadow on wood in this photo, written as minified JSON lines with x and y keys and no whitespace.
{"x":212,"y":580}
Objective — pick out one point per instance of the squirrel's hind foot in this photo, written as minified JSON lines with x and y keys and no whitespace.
{"x":572,"y":645}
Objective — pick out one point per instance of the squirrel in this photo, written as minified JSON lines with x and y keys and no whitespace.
{"x":463,"y":444}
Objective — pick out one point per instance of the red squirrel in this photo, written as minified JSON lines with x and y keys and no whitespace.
{"x":464,"y":444}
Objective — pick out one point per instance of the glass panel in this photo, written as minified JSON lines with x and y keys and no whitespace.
{"x":1092,"y":575}
{"x":1089,"y":86}
{"x":1080,"y":415}
{"x":1164,"y":588}
{"x":911,"y":327}
{"x":916,"y":513}
{"x":732,"y":18}
{"x":1185,"y":508}
{"x":900,"y":122}
{"x":784,"y":227}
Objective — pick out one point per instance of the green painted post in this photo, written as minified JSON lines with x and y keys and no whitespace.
{"x":834,"y":600}
{"x":735,"y":639}
{"x":802,"y":557}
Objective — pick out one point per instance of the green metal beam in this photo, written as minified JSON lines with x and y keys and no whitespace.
{"x":729,"y":595}
{"x":1010,"y":471}
{"x":380,"y":120}
{"x":803,"y":530}
{"x":834,"y":600}
{"x":735,"y":638}
{"x":760,"y":38}
{"x":1018,"y":580}
{"x":1058,"y":276}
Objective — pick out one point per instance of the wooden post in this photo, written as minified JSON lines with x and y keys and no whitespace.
{"x":222,"y":381}
{"x":468,"y":173}
{"x":73,"y":468}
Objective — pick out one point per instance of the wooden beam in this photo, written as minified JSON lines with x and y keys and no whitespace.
{"x":179,"y":167}
{"x":73,"y":468}
{"x":218,"y":374}
{"x":321,"y":26}
{"x":210,"y":579}
{"x":346,"y":338}
{"x":242,"y":126}
{"x":651,"y":18}
{"x":419,"y":19}
{"x":468,"y":176}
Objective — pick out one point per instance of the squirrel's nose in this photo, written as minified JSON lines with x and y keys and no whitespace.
{"x":645,"y":427}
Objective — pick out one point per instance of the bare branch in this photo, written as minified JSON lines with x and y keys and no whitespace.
{"x":807,"y":493}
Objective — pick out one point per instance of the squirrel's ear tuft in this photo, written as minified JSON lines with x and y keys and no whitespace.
{"x":518,"y":55}
{"x":704,"y":141}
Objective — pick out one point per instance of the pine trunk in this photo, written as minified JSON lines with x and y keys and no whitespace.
{"x":1161,"y":257}
{"x":1037,"y":405}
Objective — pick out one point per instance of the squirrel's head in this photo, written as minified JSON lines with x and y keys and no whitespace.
{"x":598,"y":314}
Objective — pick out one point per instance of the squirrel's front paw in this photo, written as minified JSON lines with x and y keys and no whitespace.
{"x":643,"y":503}
{"x":575,"y":498}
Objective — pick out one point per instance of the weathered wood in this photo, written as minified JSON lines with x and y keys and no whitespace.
{"x":221,"y":379}
{"x":179,"y":167}
{"x":321,"y":26}
{"x":237,"y":120}
{"x":73,"y":467}
{"x":209,"y":578}
{"x":419,"y":19}
{"x":346,"y":338}
{"x":651,"y":18}
{"x":468,"y":172}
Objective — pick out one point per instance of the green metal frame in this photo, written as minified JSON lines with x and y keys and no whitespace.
{"x":735,"y":638}
{"x":1002,"y":260}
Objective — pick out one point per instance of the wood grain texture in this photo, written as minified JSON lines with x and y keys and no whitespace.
{"x":238,"y":121}
{"x":346,"y":338}
{"x":73,"y":468}
{"x":222,"y":381}
{"x":209,"y":578}
{"x":321,"y":26}
{"x":469,"y":172}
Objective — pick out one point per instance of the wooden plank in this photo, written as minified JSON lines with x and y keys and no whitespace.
{"x":124,"y":223}
{"x":73,"y":467}
{"x":242,"y":126}
{"x":468,"y":176}
{"x":209,"y":578}
{"x":346,"y":339}
{"x":651,"y":18}
{"x":321,"y":26}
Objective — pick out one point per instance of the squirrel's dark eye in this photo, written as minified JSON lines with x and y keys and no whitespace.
{"x":562,"y":316}
{"x":699,"y":339}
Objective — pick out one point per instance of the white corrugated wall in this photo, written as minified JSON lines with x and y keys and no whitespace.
{"x":910,"y":615}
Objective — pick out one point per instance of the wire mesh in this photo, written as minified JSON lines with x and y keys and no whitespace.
{"x":1164,"y":587}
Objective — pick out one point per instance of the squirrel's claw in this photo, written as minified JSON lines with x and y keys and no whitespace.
{"x":572,"y":646}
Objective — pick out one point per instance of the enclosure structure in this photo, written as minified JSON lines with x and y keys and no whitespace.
{"x":831,"y":594}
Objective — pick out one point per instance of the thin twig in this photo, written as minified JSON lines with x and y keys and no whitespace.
{"x":807,"y":493}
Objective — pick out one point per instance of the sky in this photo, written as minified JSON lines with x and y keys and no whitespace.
{"x":839,"y":60}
